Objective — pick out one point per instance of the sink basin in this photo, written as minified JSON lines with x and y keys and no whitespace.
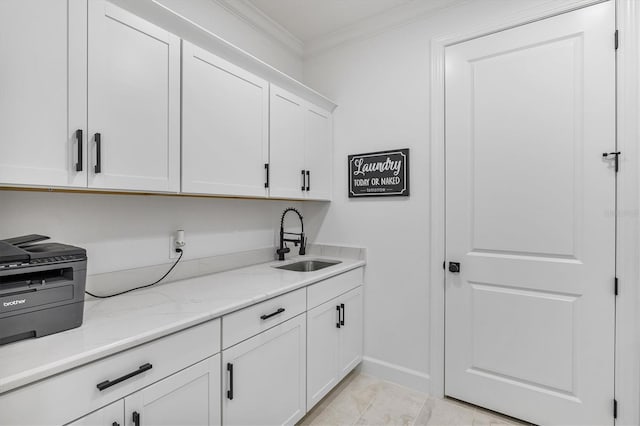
{"x":308,"y":265}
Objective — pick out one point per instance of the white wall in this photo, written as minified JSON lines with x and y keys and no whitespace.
{"x":381,"y":86}
{"x":131,"y":231}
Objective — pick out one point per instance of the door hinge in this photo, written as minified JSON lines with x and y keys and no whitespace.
{"x":615,"y":40}
{"x":615,"y":285}
{"x":615,"y":408}
{"x":616,"y":159}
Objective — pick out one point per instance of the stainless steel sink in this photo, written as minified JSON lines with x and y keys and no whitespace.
{"x":308,"y":265}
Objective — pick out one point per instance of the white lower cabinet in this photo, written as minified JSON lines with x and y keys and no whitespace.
{"x":323,"y":339}
{"x":334,"y":343}
{"x":189,"y":397}
{"x":111,"y":415}
{"x":265,"y":377}
{"x":351,"y":331}
{"x":279,"y":358}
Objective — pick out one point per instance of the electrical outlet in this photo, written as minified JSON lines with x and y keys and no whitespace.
{"x":176,"y":241}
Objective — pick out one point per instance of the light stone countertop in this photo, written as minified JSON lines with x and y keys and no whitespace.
{"x":122,"y":322}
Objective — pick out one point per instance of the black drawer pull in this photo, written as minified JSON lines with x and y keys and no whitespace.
{"x":79,"y":140}
{"x":279,"y":311}
{"x":98,"y":167}
{"x":303,"y":180}
{"x":108,"y":383}
{"x":266,"y":168}
{"x":342,"y":309}
{"x":338,"y":309}
{"x":308,"y":180}
{"x":230,"y":370}
{"x":136,"y":418}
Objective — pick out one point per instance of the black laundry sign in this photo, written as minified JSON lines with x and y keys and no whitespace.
{"x":376,"y":174}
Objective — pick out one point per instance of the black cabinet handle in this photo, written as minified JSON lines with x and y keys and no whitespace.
{"x":279,"y":311}
{"x":342,"y":309}
{"x":266,"y":169}
{"x":98,"y":139}
{"x":108,"y":383}
{"x":230,"y":370}
{"x":303,"y":179}
{"x":136,"y":418}
{"x":79,"y":141}
{"x":338,"y":309}
{"x":308,"y":180}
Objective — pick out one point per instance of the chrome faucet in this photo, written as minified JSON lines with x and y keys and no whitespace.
{"x":300,"y":240}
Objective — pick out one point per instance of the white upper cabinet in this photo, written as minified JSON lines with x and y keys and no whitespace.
{"x":318,"y":153}
{"x":134,"y":102}
{"x":93,"y":96}
{"x":225,"y":126}
{"x":286,"y":147}
{"x":300,"y":148}
{"x":43,"y":92}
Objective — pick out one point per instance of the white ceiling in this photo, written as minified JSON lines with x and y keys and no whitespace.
{"x":310,"y":19}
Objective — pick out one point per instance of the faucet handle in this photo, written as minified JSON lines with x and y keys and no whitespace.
{"x":303,"y":245}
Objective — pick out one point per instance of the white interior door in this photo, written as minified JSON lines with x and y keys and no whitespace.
{"x":134,"y":102}
{"x":530,"y":205}
{"x":225,"y":126}
{"x":43,"y":92}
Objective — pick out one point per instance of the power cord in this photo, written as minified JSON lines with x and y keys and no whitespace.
{"x":143,"y":286}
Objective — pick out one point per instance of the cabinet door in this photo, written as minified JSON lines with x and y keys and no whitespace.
{"x":43,"y":94}
{"x":318,"y":136}
{"x":225,"y":126}
{"x":111,"y":415}
{"x":286,"y":144}
{"x":264,"y":377}
{"x":323,"y":340}
{"x":134,"y":102}
{"x":351,"y":332}
{"x":189,"y":397}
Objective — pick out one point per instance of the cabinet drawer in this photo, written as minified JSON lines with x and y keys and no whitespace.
{"x":72,"y":394}
{"x":321,"y":292}
{"x":250,"y":321}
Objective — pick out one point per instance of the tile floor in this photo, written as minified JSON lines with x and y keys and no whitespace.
{"x":364,"y":400}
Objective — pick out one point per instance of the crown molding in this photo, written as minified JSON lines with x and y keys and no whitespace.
{"x":368,"y":27}
{"x":250,"y":14}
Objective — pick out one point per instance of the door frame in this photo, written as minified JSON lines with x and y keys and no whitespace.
{"x":627,"y":346}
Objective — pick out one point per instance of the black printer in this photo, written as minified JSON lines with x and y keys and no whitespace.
{"x":41,"y":287}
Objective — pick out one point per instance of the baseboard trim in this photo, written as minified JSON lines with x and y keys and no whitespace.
{"x":397,"y":374}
